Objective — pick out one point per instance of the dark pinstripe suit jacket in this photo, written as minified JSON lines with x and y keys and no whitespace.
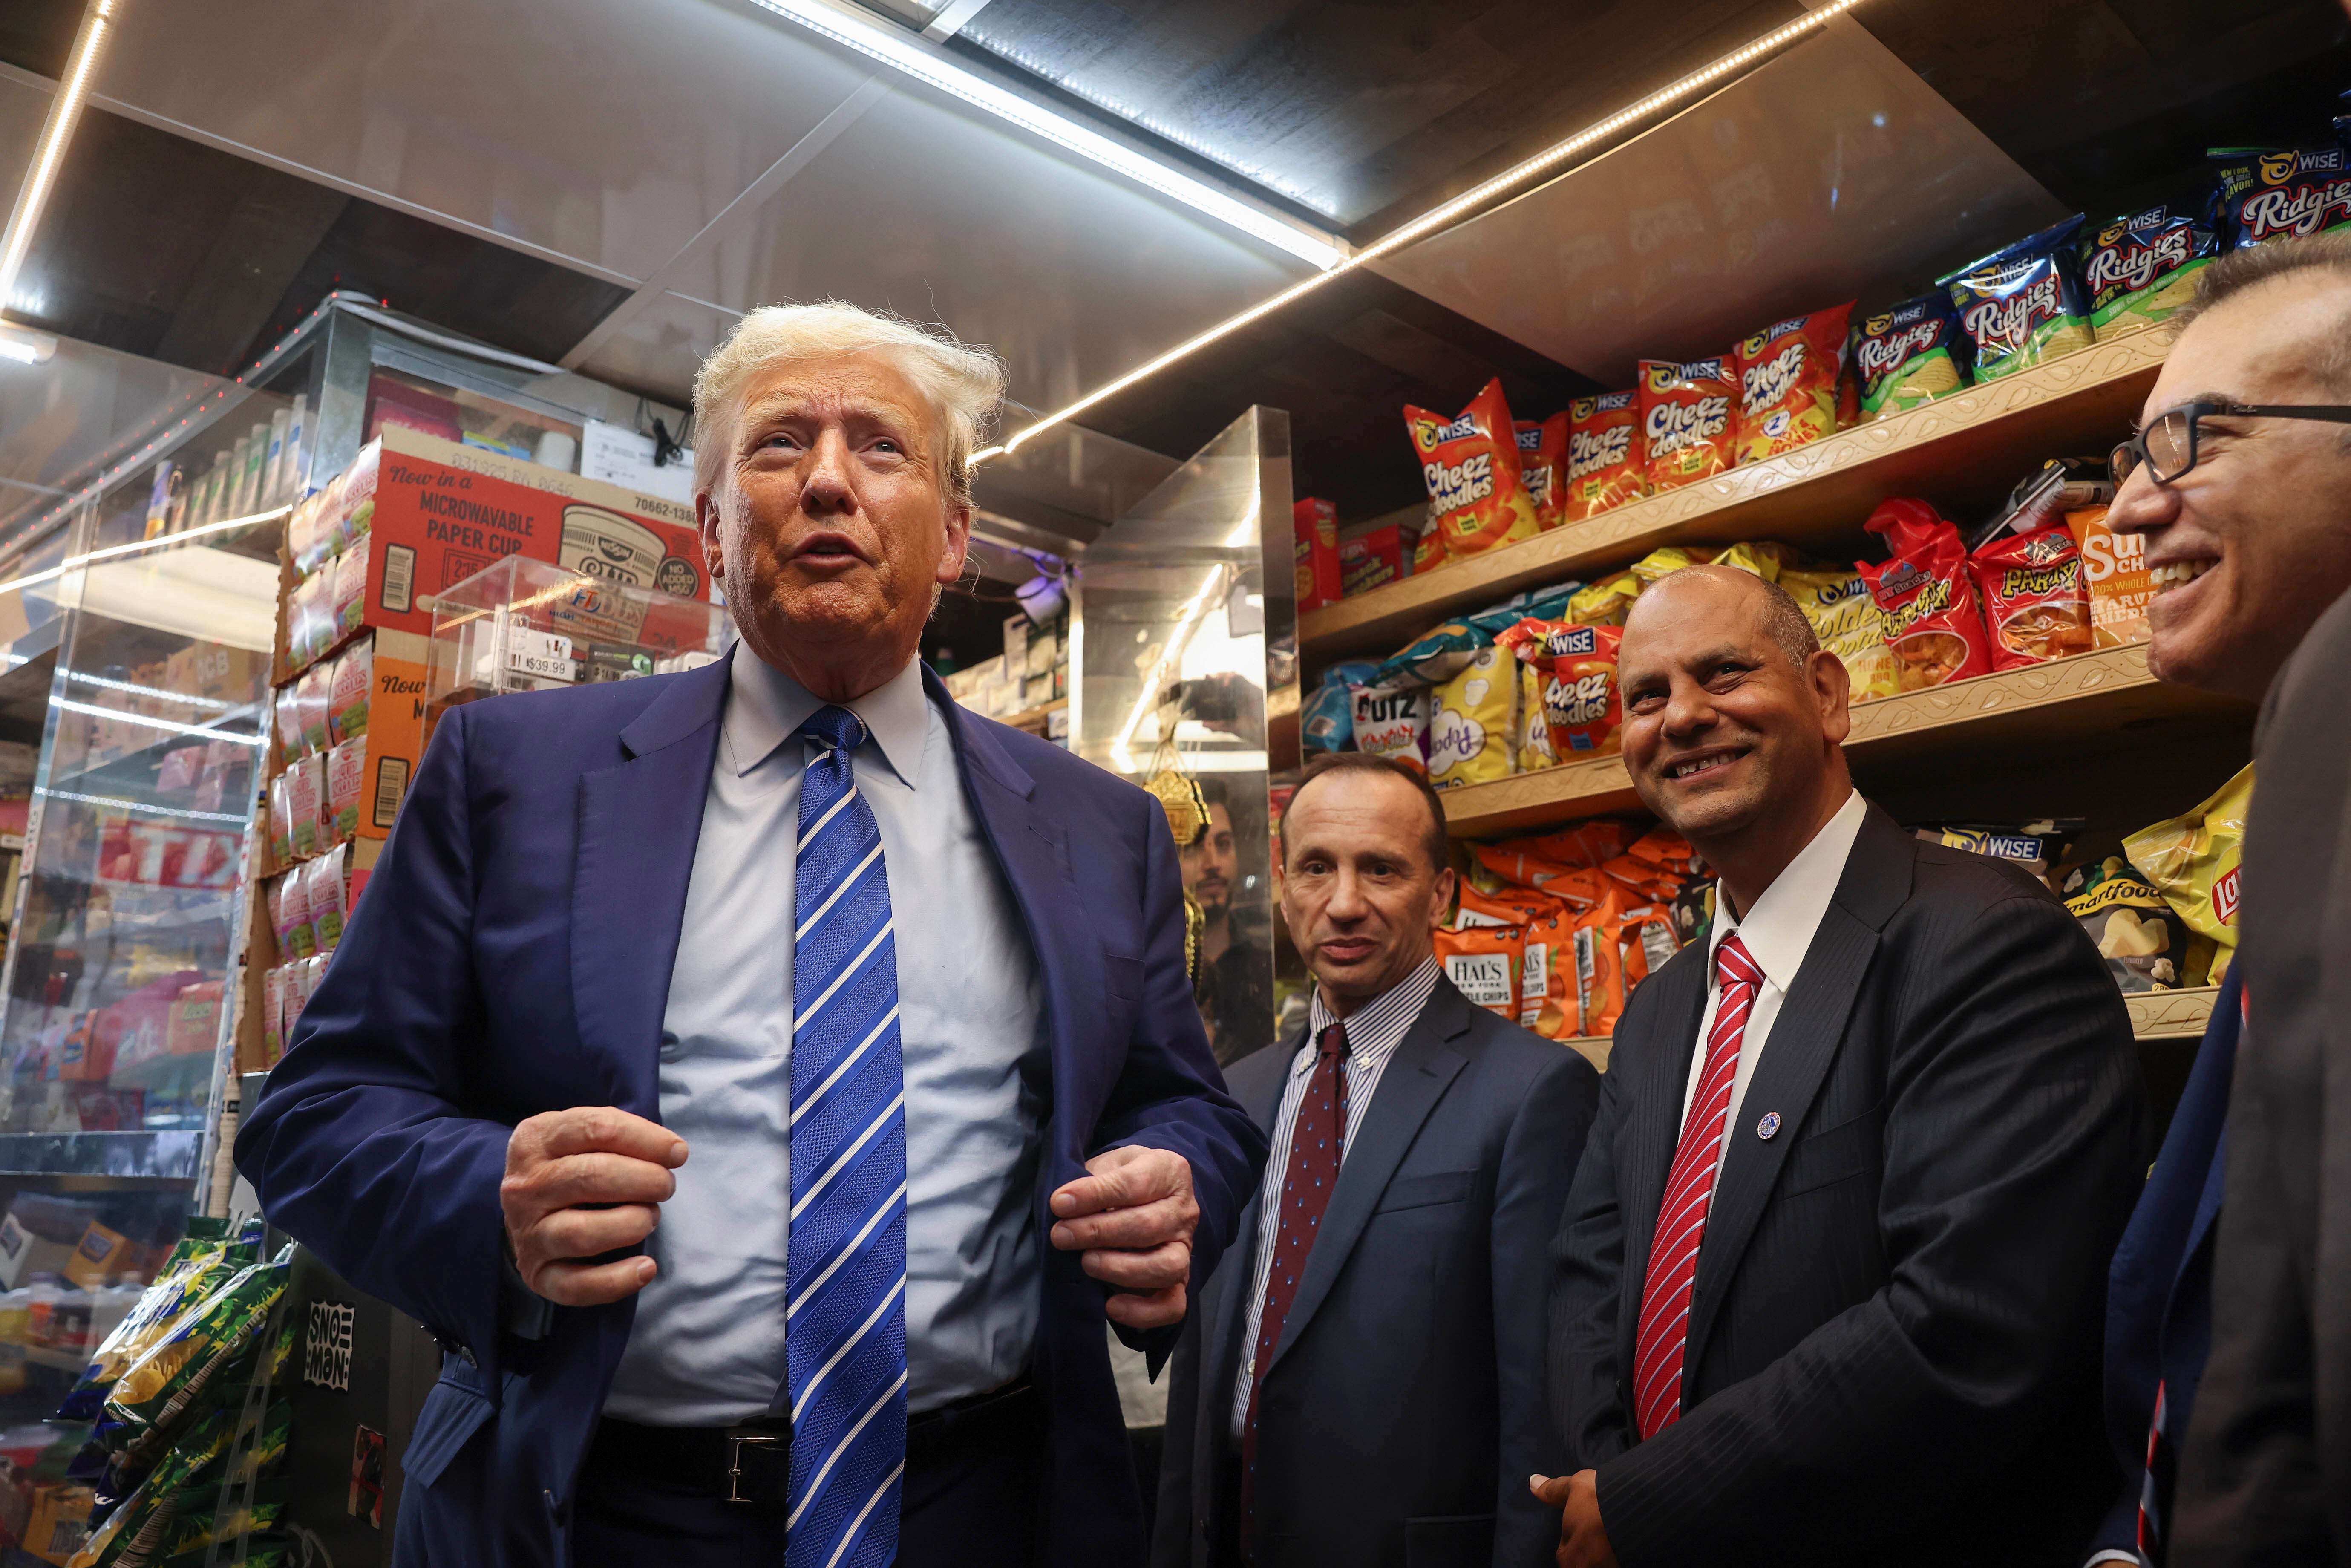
{"x":1893,"y":1349}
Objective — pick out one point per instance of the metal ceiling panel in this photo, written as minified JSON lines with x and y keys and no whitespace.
{"x":1832,"y":172}
{"x":923,"y":207}
{"x":24,"y":105}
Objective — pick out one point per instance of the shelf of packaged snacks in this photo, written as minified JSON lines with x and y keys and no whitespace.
{"x":2164,"y":1015}
{"x":1962,"y":452}
{"x":153,"y":750}
{"x":2104,"y":693}
{"x":1034,"y":719}
{"x":159,"y":1156}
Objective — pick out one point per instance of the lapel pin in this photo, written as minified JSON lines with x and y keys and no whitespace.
{"x":1768,"y":1125}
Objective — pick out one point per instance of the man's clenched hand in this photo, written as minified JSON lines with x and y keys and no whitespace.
{"x":1583,"y":1542}
{"x":581,"y":1183}
{"x":1133,"y":1217}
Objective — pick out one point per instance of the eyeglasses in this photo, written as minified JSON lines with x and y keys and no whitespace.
{"x":2167,"y":446}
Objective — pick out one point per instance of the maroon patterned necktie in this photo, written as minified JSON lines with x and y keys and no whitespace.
{"x":1313,"y":1171}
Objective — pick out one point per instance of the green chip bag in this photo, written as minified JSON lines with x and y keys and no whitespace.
{"x":155,"y":1395}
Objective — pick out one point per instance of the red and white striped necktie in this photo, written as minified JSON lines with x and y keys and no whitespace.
{"x":1689,"y":1194}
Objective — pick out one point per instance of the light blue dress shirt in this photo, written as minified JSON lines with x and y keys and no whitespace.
{"x":708,"y":1346}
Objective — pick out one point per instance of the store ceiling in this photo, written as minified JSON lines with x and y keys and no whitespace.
{"x":608,"y":182}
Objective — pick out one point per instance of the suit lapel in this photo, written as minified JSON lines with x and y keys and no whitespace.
{"x":639,"y":823}
{"x":1416,"y":1078}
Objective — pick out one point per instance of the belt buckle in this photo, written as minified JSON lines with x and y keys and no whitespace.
{"x":770,"y":1482}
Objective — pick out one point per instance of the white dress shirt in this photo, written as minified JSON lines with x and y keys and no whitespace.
{"x":1374,"y":1032}
{"x":708,"y":1346}
{"x":1777,"y":934}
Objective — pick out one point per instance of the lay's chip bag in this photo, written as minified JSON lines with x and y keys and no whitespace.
{"x":2194,"y":860}
{"x":1687,"y":415}
{"x":2141,"y":269}
{"x":1542,"y":467}
{"x":2281,"y":193}
{"x":1788,"y":376}
{"x":2023,"y":304}
{"x":1912,"y":354}
{"x":1470,"y":465}
{"x":1607,"y":465}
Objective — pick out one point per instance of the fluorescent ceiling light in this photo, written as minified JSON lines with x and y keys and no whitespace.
{"x":927,"y":62}
{"x":25,"y":347}
{"x":64,"y":111}
{"x":1551,"y":161}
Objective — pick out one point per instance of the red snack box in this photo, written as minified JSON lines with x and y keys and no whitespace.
{"x":1316,"y":526}
{"x":1370,"y":559}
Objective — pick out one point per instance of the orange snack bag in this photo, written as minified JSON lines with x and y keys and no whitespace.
{"x":1788,"y":382}
{"x":1574,"y":886}
{"x":1471,"y":467}
{"x":1688,"y":412}
{"x":2115,"y":568}
{"x":1668,"y":851}
{"x":1547,"y":1003}
{"x":1427,"y":551}
{"x":1583,"y":711}
{"x":2035,"y":608}
{"x":1482,"y":962}
{"x":1514,"y":905}
{"x":1925,"y":597}
{"x":1542,"y":467}
{"x":1600,"y":984}
{"x":1606,"y":465}
{"x":1587,"y":844}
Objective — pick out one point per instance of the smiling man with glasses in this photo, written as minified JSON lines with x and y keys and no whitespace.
{"x":2239,"y":479}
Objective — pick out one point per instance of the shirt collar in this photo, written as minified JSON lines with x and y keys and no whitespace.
{"x":1778,"y":932}
{"x":1380,"y":1024}
{"x":765,"y":707}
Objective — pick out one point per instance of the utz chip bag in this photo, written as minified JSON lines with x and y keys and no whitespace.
{"x":1482,"y":962}
{"x":1912,"y":354}
{"x":2140,"y":937}
{"x":1926,"y":600}
{"x":2139,"y":269}
{"x":1371,"y":559}
{"x":1315,"y":525}
{"x":1606,"y":465}
{"x":2114,"y":569}
{"x":1470,"y":465}
{"x":1473,"y":722}
{"x":1542,"y":467}
{"x":1788,"y":376}
{"x":2034,"y":605}
{"x":2281,"y":193}
{"x":1688,"y":414}
{"x":1392,"y":721}
{"x":2193,"y":860}
{"x":2023,"y":304}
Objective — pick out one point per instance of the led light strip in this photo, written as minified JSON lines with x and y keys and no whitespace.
{"x":121,"y":805}
{"x":927,"y":62}
{"x":68,"y":705}
{"x":1547,"y":161}
{"x":64,"y":113}
{"x":138,"y":546}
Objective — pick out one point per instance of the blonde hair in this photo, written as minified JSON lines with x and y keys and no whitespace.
{"x":962,"y":384}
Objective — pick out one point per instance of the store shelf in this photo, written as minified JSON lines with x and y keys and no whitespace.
{"x":1964,"y":451}
{"x":2079,"y":698}
{"x":149,"y":1156}
{"x":2166,"y":1015}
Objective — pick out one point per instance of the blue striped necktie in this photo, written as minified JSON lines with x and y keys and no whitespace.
{"x":845,"y":1343}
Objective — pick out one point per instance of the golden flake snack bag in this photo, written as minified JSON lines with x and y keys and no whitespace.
{"x":1925,"y":597}
{"x":2193,"y":860}
{"x":2034,"y":606}
{"x":1664,"y":560}
{"x":1788,"y":376}
{"x":1767,"y":559}
{"x":1606,"y":465}
{"x":1470,"y":465}
{"x":2023,"y":304}
{"x":1482,"y":962}
{"x":1472,"y":721}
{"x":1912,"y":354}
{"x":2114,"y":570}
{"x":1846,"y":619}
{"x":1687,"y":416}
{"x":1542,"y":467}
{"x":1604,"y":602}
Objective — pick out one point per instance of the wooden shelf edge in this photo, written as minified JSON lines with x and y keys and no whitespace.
{"x":1402,"y":609}
{"x":2170,"y":1015}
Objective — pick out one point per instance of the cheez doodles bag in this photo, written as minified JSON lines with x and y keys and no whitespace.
{"x":1583,"y":710}
{"x":1925,"y":599}
{"x":2034,"y":606}
{"x":1542,"y":467}
{"x":1788,"y":376}
{"x":1606,"y":465}
{"x":1471,"y":467}
{"x":1686,"y":414}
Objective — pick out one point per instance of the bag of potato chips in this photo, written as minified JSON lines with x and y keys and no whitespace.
{"x":1688,"y":412}
{"x":1766,"y":558}
{"x":2141,"y":269}
{"x":1914,"y":353}
{"x":1470,"y":464}
{"x":1606,"y":465}
{"x":1846,"y":619}
{"x":1925,"y":598}
{"x":1474,"y":721}
{"x":1604,"y":602}
{"x":1788,"y":377}
{"x":2194,"y":860}
{"x":1666,"y":560}
{"x":1542,"y":467}
{"x":1392,"y":721}
{"x":1583,"y":710}
{"x":2023,"y":304}
{"x":2114,"y":569}
{"x":1591,"y":844}
{"x":2140,"y":937}
{"x":2034,"y":606}
{"x":1482,"y":962}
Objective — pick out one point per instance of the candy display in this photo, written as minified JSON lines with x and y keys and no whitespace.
{"x":1913,"y":353}
{"x":1926,"y":601}
{"x":1470,"y":464}
{"x":1687,"y":416}
{"x":2034,"y":602}
{"x":2023,"y":304}
{"x":1606,"y":464}
{"x":1787,"y":379}
{"x":2139,"y":269}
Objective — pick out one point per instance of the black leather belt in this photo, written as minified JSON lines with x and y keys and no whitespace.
{"x":751,"y":1463}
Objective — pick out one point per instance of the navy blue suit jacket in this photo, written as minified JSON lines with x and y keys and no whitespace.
{"x":512,"y":956}
{"x":2159,"y":1286}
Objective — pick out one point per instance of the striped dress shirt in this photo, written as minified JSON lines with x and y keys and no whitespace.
{"x":1374,"y":1032}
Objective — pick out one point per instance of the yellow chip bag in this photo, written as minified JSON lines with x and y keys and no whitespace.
{"x":1473,"y":723}
{"x":1668,"y":559}
{"x":1846,"y":619}
{"x":1767,"y":559}
{"x":2193,"y":860}
{"x":1535,"y":744}
{"x":1605,"y":601}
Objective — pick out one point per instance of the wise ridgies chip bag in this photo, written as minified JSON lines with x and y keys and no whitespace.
{"x":2139,"y":269}
{"x":1471,"y":467}
{"x":1914,"y":353}
{"x":1687,"y":416}
{"x":2282,"y":192}
{"x":1788,"y":377}
{"x":2023,"y":304}
{"x":1542,"y":467}
{"x":2114,"y":570}
{"x":1607,"y":465}
{"x":1925,"y":601}
{"x":2034,"y":604}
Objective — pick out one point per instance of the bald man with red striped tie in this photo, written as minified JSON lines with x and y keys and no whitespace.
{"x":1830,"y":1281}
